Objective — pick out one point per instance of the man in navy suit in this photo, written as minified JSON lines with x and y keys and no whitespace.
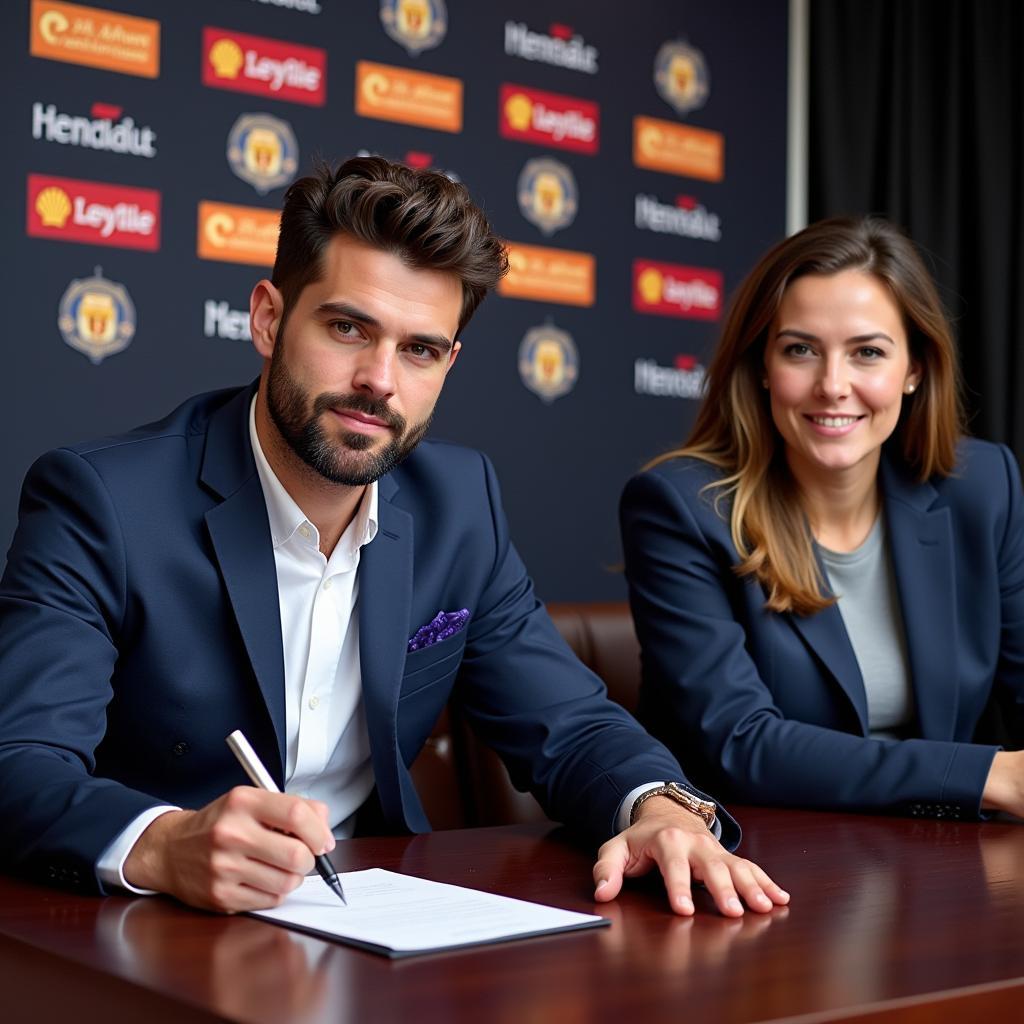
{"x":279,"y":559}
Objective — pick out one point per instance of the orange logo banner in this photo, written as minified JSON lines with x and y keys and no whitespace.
{"x":409,"y":97}
{"x":678,"y":149}
{"x":549,"y":275}
{"x":237,"y":234}
{"x":95,"y":37}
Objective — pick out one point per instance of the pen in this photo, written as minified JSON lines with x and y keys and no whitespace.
{"x":260,"y":777}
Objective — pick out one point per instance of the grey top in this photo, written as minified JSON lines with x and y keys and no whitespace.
{"x":864,"y":582}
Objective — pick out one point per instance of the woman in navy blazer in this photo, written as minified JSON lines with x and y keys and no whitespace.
{"x":831,"y":436}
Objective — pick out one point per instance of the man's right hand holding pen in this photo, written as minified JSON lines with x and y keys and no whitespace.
{"x":247,"y":850}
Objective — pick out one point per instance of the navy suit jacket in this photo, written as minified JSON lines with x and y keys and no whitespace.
{"x":772,"y":706}
{"x":139,"y":625}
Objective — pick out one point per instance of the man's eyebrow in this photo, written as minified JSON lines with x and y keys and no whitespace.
{"x":347,"y":312}
{"x":438,"y":341}
{"x":343,"y":309}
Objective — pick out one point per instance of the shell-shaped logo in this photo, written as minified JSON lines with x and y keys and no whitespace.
{"x":227,"y":58}
{"x":547,"y":194}
{"x":96,"y":317}
{"x":651,"y":286}
{"x":681,"y":76}
{"x":263,"y":151}
{"x":519,"y":111}
{"x":416,"y":25}
{"x":548,"y":362}
{"x":53,"y":207}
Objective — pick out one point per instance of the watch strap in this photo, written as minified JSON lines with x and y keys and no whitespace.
{"x":704,"y":809}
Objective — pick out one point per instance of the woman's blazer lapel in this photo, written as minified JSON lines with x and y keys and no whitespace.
{"x":921,"y":546}
{"x":825,"y":633}
{"x":924,"y":562}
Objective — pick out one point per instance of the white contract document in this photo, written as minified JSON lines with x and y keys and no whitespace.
{"x":400,"y":915}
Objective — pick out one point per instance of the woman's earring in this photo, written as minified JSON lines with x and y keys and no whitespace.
{"x":910,"y":389}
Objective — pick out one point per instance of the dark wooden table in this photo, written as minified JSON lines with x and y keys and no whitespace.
{"x":891,"y":919}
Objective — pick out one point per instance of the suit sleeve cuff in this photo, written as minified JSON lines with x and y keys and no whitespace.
{"x":626,"y":807}
{"x":110,"y":866}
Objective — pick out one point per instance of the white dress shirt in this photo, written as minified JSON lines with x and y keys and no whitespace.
{"x":327,"y":744}
{"x":326,"y":740}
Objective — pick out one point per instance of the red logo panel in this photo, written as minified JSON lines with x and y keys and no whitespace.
{"x":548,"y":118}
{"x":669,"y":289}
{"x":264,"y":67}
{"x":89,"y":211}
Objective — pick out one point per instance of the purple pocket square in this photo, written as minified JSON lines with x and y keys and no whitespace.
{"x":440,"y":627}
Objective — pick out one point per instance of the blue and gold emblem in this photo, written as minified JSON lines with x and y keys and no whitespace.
{"x":263,"y":151}
{"x":96,"y":317}
{"x":417,"y":25}
{"x":547,"y":194}
{"x":681,"y":76}
{"x":549,"y":364}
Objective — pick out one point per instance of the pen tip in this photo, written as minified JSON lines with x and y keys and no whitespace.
{"x":336,"y":886}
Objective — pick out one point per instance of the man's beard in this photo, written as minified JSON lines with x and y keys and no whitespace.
{"x":347,"y":459}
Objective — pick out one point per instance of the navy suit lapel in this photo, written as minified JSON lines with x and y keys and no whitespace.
{"x":244,"y":550}
{"x":825,"y":633}
{"x":921,"y":543}
{"x":385,"y":600}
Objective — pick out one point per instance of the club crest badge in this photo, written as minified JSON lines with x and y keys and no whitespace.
{"x":96,"y":317}
{"x":547,"y":194}
{"x":681,"y":76}
{"x":417,"y":25}
{"x":549,"y":364}
{"x":263,"y":151}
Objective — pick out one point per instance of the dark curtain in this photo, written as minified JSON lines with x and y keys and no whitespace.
{"x":917,"y":113}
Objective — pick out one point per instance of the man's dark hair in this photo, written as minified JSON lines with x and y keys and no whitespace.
{"x":423,"y":217}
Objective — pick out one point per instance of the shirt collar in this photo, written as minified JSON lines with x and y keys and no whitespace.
{"x":284,"y":514}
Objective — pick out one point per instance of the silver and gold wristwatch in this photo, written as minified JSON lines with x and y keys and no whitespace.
{"x":704,"y":809}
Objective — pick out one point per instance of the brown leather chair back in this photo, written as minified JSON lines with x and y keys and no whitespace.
{"x":463,"y":784}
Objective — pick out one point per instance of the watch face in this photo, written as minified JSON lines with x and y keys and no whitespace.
{"x":705,"y":808}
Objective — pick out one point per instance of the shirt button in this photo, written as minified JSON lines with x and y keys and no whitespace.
{"x":327,"y":585}
{"x":314,"y":703}
{"x":304,"y":530}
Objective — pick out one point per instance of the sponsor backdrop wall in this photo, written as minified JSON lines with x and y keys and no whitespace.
{"x":632,"y":154}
